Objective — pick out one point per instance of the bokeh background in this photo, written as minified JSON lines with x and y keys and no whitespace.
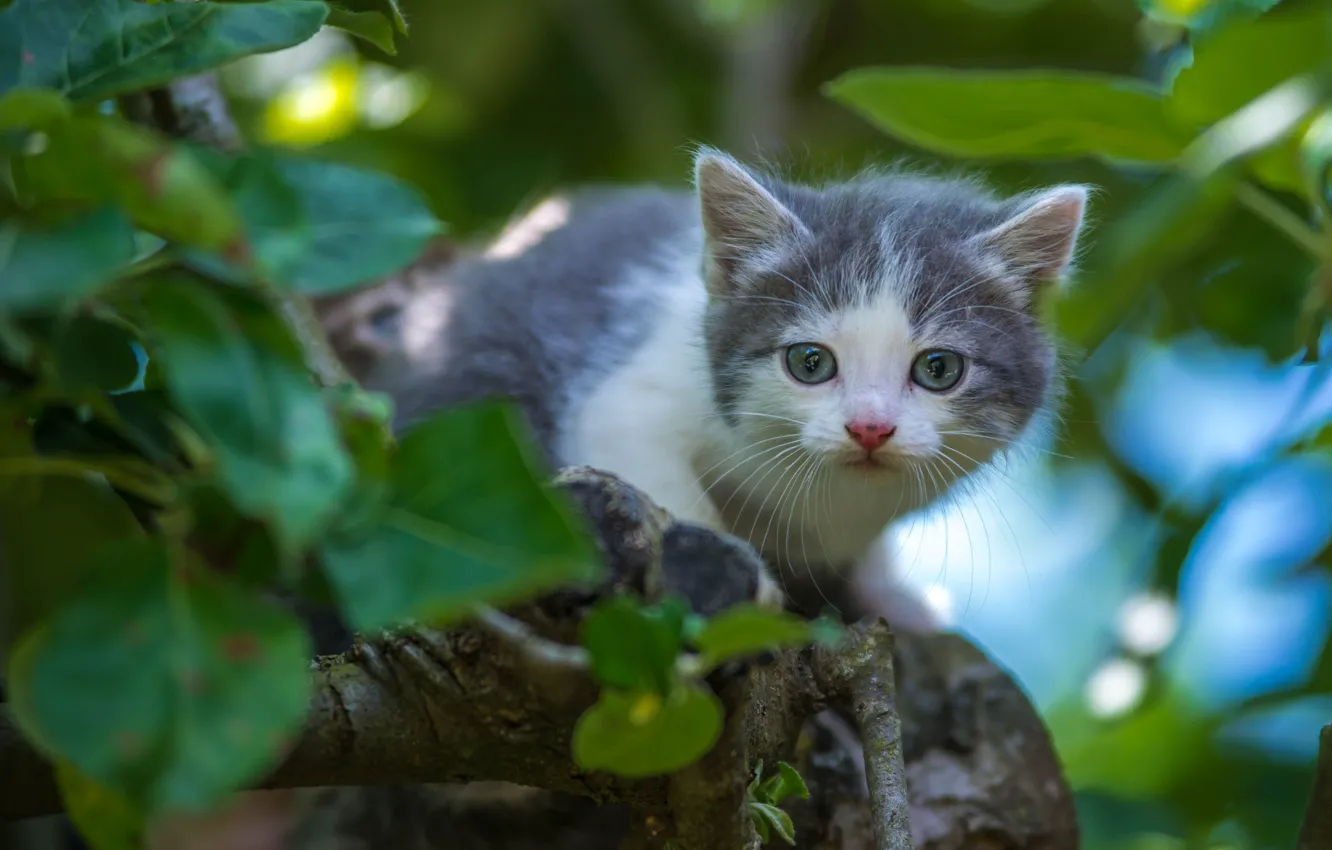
{"x":1154,"y":574}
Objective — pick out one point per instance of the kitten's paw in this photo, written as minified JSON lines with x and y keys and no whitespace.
{"x":713,"y":570}
{"x":626,"y":524}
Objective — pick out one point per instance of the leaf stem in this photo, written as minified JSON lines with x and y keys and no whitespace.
{"x":149,"y":486}
{"x":1279,"y":216}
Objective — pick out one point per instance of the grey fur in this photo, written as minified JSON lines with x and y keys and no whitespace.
{"x":543,"y":327}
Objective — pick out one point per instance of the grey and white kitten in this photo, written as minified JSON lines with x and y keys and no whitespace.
{"x":797,"y":366}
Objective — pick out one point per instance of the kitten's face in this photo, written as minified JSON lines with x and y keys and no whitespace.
{"x":884,"y":328}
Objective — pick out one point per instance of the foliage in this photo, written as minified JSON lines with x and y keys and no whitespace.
{"x":158,"y":399}
{"x":764,"y":796}
{"x":1231,"y":235}
{"x":655,"y":715}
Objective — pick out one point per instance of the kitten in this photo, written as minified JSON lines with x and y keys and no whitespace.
{"x":797,"y":366}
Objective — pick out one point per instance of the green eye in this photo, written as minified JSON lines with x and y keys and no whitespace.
{"x":810,"y":364}
{"x":937,"y":370}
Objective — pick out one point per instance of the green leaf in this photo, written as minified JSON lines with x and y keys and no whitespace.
{"x":95,"y":49}
{"x":94,"y":352}
{"x":373,"y":27}
{"x":634,"y":648}
{"x":322,"y":227}
{"x":365,"y":423}
{"x":790,"y":783}
{"x":749,"y":629}
{"x":1177,"y":216}
{"x":198,"y":686}
{"x":41,"y":266}
{"x":238,"y":376}
{"x":638,"y":735}
{"x":1242,"y":61}
{"x":24,"y":109}
{"x":391,"y":9}
{"x":105,"y":819}
{"x":1023,"y":114}
{"x":1315,"y":159}
{"x":469,"y":520}
{"x":772,"y":818}
{"x":161,"y":185}
{"x":733,"y":12}
{"x":44,"y":563}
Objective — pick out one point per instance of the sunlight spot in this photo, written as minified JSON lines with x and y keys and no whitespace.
{"x":1116,"y":688}
{"x":389,"y":97}
{"x":940,"y":601}
{"x":527,"y":231}
{"x":1147,"y":623}
{"x":315,"y":108}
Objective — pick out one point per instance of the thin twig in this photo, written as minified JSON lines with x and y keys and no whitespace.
{"x":1316,"y":831}
{"x":874,"y":706}
{"x":1279,"y":216}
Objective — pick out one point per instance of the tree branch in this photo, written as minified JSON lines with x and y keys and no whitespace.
{"x":466,"y":705}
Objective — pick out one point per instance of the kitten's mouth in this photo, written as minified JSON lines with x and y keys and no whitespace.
{"x":870,"y":463}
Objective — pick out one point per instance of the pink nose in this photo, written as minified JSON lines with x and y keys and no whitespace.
{"x":871,"y":435}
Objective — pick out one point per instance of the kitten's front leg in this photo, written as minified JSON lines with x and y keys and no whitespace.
{"x":699,"y":560}
{"x":879,"y":591}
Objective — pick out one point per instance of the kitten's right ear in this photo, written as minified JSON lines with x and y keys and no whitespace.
{"x":743,"y":223}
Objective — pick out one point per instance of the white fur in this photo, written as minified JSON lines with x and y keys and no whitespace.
{"x":781,"y":484}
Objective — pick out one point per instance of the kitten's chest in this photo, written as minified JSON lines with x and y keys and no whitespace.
{"x":803,"y":516}
{"x":646,"y":419}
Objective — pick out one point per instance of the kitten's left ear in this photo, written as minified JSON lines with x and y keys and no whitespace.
{"x":1037,"y":242}
{"x":742,"y":221}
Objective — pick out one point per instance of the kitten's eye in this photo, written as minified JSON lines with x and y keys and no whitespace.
{"x":810,"y":364}
{"x":937,"y":370}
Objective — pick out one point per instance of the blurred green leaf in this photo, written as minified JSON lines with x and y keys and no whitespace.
{"x":94,"y":49}
{"x":1241,"y":62}
{"x":637,"y":735}
{"x":93,"y":352}
{"x":44,"y":563}
{"x":104,"y":818}
{"x":1023,"y":114}
{"x":365,"y":423}
{"x":40,"y":266}
{"x":141,"y":420}
{"x":1315,"y":160}
{"x":634,"y":647}
{"x":322,"y":227}
{"x":469,"y":520}
{"x":749,"y":629}
{"x":373,"y":27}
{"x":1254,"y":299}
{"x":734,"y":11}
{"x":198,"y":686}
{"x":237,"y":374}
{"x":392,"y":9}
{"x":31,"y":108}
{"x":1172,"y":221}
{"x":232,"y":542}
{"x":160,"y":185}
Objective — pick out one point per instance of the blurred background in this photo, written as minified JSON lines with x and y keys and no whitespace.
{"x":1154,"y":573}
